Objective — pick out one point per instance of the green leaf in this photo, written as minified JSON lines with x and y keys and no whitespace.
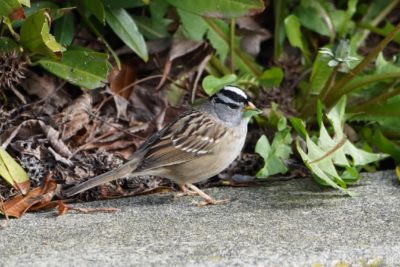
{"x":35,"y":35}
{"x":155,"y":26}
{"x":193,"y":25}
{"x":220,"y":8}
{"x":125,"y":27}
{"x":275,"y":154}
{"x":293,"y":32}
{"x":299,"y":126}
{"x":271,"y":77}
{"x":123,"y":3}
{"x":36,"y":6}
{"x":8,"y":6}
{"x":217,"y":35}
{"x":384,"y":66}
{"x":319,"y":75}
{"x":212,"y":84}
{"x":324,"y":157}
{"x":96,"y":8}
{"x":310,"y":18}
{"x":25,"y":2}
{"x":81,"y":67}
{"x":7,"y":45}
{"x":13,"y":173}
{"x":64,"y":29}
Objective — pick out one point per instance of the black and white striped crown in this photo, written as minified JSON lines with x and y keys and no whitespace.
{"x":232,"y":96}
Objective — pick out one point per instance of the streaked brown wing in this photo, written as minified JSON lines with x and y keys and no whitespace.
{"x":182,"y":141}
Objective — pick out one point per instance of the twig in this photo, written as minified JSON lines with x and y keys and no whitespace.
{"x":129,"y":86}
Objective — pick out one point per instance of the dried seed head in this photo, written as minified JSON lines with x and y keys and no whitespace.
{"x":12,"y":69}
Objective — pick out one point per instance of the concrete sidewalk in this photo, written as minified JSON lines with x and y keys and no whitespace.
{"x":293,"y":223}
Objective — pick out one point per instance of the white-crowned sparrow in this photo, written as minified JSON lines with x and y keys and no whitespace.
{"x":197,"y":145}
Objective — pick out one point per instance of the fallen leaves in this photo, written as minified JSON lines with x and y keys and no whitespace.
{"x":13,"y":173}
{"x":40,"y":196}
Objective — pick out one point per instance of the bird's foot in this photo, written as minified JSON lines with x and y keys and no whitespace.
{"x":184,"y":192}
{"x":212,"y":201}
{"x":207,"y":199}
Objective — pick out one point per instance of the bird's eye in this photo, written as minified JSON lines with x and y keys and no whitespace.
{"x":232,"y":106}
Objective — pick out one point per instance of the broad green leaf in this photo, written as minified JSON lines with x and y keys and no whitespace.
{"x":7,"y":45}
{"x":35,"y":35}
{"x":319,"y":75}
{"x":271,"y":77}
{"x":217,"y":36}
{"x":8,"y":6}
{"x":293,"y":32}
{"x":324,"y":157}
{"x":220,"y":8}
{"x":212,"y":84}
{"x":217,"y":32}
{"x":299,"y":126}
{"x":275,"y":154}
{"x":384,"y":66}
{"x":125,"y":27}
{"x":36,"y":6}
{"x":25,"y":2}
{"x":384,"y":144}
{"x":96,"y":8}
{"x":310,"y":18}
{"x":13,"y":173}
{"x":155,"y":26}
{"x":123,"y":3}
{"x":193,"y":25}
{"x":81,"y":67}
{"x":348,"y":24}
{"x":64,"y":29}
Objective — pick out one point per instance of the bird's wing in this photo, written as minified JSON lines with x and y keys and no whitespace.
{"x":182,"y":140}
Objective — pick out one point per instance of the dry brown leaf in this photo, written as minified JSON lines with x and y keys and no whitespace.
{"x":252,"y":35}
{"x":19,"y":204}
{"x":31,"y":127}
{"x":120,"y":79}
{"x":75,"y":117}
{"x":180,"y":48}
{"x":40,"y":85}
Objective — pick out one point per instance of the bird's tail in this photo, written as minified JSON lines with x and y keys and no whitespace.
{"x":120,"y":172}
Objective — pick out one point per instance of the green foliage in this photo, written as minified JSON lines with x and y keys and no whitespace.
{"x":13,"y":173}
{"x":275,"y":154}
{"x":271,"y":77}
{"x":212,"y":84}
{"x":331,"y":70}
{"x":36,"y":37}
{"x":328,"y":158}
{"x":125,"y":27}
{"x":293,"y":32}
{"x":221,"y":8}
{"x":79,"y":66}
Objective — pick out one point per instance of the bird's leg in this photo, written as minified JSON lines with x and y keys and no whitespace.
{"x":207,"y":199}
{"x":184,"y":192}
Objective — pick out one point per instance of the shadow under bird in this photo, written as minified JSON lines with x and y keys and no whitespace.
{"x":197,"y":145}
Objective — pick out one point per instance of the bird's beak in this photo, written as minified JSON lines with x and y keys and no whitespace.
{"x":250,"y":107}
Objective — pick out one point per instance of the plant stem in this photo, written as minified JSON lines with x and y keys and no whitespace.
{"x":381,"y":16}
{"x":232,"y":44}
{"x":240,"y":54}
{"x":336,"y":89}
{"x":221,"y":68}
{"x":368,"y":105}
{"x":98,"y":34}
{"x":350,"y":87}
{"x":279,"y":6}
{"x":310,"y":105}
